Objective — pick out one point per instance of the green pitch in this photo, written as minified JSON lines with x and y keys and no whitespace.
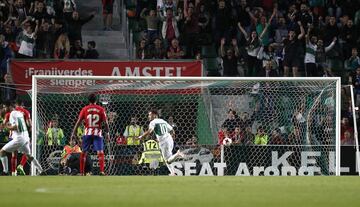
{"x":179,"y":191}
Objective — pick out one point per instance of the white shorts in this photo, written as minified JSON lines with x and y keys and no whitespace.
{"x":20,"y":145}
{"x":166,"y":147}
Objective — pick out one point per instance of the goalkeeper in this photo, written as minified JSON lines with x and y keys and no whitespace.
{"x":70,"y":160}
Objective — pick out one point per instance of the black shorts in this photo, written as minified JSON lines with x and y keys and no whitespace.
{"x":291,"y":62}
{"x":73,"y":162}
{"x":311,"y":70}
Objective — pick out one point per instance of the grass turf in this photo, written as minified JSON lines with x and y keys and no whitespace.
{"x":179,"y":191}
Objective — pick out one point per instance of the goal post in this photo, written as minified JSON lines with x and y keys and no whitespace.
{"x":356,"y":138}
{"x":306,"y":111}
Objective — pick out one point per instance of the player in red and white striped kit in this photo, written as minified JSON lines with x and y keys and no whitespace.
{"x":93,"y":115}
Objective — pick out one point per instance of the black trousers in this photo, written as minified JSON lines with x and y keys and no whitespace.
{"x":311,"y":70}
{"x":72,"y":165}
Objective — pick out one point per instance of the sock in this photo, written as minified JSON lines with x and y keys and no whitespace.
{"x":5,"y":164}
{"x":170,"y":169}
{"x":82,"y":163}
{"x":23,"y":160}
{"x":13,"y":162}
{"x":101,"y":158}
{"x":37,"y":165}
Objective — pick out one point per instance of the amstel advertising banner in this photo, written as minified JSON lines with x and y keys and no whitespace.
{"x":22,"y":71}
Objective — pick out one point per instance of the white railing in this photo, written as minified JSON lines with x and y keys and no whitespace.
{"x":125,"y":28}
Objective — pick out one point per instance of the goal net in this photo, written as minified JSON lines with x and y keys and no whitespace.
{"x":224,"y":126}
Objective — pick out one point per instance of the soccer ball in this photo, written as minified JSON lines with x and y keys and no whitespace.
{"x":227,"y":141}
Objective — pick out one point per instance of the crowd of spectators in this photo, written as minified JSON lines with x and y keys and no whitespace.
{"x":300,"y":38}
{"x":270,"y":38}
{"x":42,"y":29}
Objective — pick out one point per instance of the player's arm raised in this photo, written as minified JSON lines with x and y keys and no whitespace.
{"x":77,"y":124}
{"x":107,"y":128}
{"x":147,"y":133}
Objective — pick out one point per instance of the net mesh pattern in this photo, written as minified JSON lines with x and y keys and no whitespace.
{"x":259,"y":118}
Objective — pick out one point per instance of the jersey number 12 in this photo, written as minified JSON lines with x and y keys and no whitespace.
{"x":93,"y":120}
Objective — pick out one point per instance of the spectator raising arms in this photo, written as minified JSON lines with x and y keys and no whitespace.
{"x":75,"y":25}
{"x":320,"y":54}
{"x":230,"y":58}
{"x":41,"y":14}
{"x":27,"y":39}
{"x":152,"y":21}
{"x":291,"y":49}
{"x":311,"y":47}
{"x":253,"y":45}
{"x":170,"y":28}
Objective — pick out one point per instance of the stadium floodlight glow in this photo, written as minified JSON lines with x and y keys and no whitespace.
{"x":305,"y":110}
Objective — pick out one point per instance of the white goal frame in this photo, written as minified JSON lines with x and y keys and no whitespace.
{"x":137,"y":78}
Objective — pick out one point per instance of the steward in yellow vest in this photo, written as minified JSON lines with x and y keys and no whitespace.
{"x":132,"y":132}
{"x":151,"y":154}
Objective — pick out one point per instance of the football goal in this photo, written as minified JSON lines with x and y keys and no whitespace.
{"x":275,"y":126}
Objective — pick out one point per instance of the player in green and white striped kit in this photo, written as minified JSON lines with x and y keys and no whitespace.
{"x":20,"y":141}
{"x":163,"y":132}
